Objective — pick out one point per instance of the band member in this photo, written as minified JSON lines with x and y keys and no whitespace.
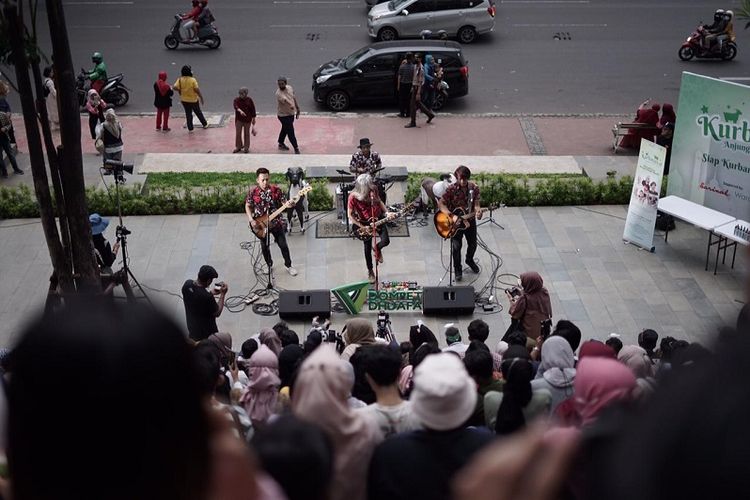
{"x":366,"y":161}
{"x":264,"y":199}
{"x":365,"y":207}
{"x":463,"y":194}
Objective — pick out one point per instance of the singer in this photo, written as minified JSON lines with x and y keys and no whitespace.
{"x":365,"y":208}
{"x":462,"y":198}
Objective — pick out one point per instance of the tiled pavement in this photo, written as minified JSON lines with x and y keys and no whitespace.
{"x":595,"y":279}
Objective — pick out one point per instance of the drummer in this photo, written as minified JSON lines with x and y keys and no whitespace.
{"x":366,"y":161}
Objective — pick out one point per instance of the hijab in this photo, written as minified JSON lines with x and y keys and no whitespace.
{"x":534,"y":293}
{"x":667,"y":115}
{"x":223,"y":342}
{"x":596,"y":349}
{"x":320,"y":397}
{"x":93,"y":97}
{"x":259,"y":398}
{"x":289,"y":359}
{"x":162,"y":84}
{"x":419,"y":334}
{"x":111,"y":123}
{"x":269,"y":338}
{"x":599,"y":383}
{"x":557,"y":366}
{"x":358,"y":332}
{"x":636,"y":358}
{"x":517,"y":372}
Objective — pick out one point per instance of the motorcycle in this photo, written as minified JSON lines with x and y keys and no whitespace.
{"x":208,"y":36}
{"x":114,"y":91}
{"x":693,"y":47}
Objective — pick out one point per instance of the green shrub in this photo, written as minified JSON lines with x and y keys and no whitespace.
{"x":319,"y":199}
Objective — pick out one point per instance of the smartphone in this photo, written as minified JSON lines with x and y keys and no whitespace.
{"x":514,"y":292}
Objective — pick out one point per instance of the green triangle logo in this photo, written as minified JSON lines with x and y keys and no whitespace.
{"x":352,"y":296}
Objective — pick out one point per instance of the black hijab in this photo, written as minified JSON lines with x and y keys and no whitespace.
{"x":517,"y":372}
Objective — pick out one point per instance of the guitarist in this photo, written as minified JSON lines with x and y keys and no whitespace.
{"x":464,"y":195}
{"x":365,"y":207}
{"x":263,"y":199}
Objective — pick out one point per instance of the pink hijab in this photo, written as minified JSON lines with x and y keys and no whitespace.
{"x":600,"y":382}
{"x":259,"y":398}
{"x":268,"y":337}
{"x":636,"y":358}
{"x":320,"y":397}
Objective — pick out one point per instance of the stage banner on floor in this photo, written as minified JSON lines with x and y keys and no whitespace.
{"x":710,"y":162}
{"x":639,"y":225}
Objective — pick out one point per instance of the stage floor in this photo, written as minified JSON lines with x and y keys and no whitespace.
{"x":594,"y":279}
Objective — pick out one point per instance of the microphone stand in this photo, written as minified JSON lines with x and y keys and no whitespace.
{"x":375,"y":250}
{"x":344,"y":198}
{"x":269,"y":286}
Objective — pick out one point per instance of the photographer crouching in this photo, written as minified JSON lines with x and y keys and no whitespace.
{"x":529,"y":306}
{"x":105,"y":253}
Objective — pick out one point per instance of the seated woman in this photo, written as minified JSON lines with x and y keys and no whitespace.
{"x":667,"y":115}
{"x":646,"y":115}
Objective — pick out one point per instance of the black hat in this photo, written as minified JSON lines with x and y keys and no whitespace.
{"x":207,"y":273}
{"x":364,"y":142}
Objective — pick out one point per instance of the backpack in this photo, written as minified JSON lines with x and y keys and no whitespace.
{"x":664,"y":222}
{"x":207,"y":16}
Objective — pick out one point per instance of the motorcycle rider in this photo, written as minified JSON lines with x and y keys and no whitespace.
{"x":728,"y":33}
{"x":191,"y":18}
{"x":206,"y":17}
{"x":98,"y":74}
{"x":714,"y":30}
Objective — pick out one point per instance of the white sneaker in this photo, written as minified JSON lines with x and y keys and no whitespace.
{"x":292,"y":271}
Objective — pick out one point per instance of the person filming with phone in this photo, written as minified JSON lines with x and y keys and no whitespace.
{"x":201,"y":308}
{"x":529,"y":305}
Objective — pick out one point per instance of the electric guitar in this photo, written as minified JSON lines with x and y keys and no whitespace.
{"x":365,"y":233}
{"x":445,"y":226}
{"x":263,"y":221}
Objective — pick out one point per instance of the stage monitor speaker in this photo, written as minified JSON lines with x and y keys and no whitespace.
{"x":304,"y":304}
{"x":447,"y":300}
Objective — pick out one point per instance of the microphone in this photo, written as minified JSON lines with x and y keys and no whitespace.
{"x":343,"y":172}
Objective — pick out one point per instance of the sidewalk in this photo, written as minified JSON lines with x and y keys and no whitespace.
{"x":555,"y":144}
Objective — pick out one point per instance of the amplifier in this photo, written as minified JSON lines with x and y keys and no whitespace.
{"x":304,"y":304}
{"x":447,"y":300}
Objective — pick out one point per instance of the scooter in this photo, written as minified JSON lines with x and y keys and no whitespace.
{"x":208,"y":36}
{"x":693,"y":47}
{"x":114,"y":91}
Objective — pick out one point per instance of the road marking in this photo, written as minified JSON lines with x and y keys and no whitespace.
{"x":94,"y":26}
{"x":559,"y":25}
{"x":735,"y":78}
{"x":315,"y":26}
{"x":98,"y":3}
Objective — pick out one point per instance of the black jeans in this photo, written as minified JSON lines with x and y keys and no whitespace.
{"x":383,"y":241}
{"x":299,"y":208}
{"x":280,"y":238}
{"x":5,"y":145}
{"x":404,"y":99}
{"x":94,"y":120}
{"x":190,"y":108}
{"x":471,"y":246}
{"x":287,"y":129}
{"x":417,"y":103}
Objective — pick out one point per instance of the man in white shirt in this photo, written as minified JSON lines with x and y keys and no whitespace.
{"x":453,"y":339}
{"x":382,"y":366}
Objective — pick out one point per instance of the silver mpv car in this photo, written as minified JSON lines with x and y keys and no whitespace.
{"x":463,"y":19}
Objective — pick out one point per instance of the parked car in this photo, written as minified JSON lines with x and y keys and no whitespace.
{"x":370,"y":3}
{"x":463,"y":19}
{"x":369,"y":74}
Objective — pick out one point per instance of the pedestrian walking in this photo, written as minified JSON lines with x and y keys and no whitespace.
{"x":403,"y":85}
{"x":244,"y":121}
{"x":5,"y":107}
{"x":95,"y":105}
{"x":190,"y":97}
{"x":110,"y":135}
{"x":50,"y":98}
{"x":428,"y":89}
{"x":5,"y":126}
{"x":162,"y":101}
{"x":287,"y":111}
{"x":416,"y":94}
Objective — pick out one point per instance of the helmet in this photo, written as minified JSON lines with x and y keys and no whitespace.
{"x":729,"y":14}
{"x":195,"y":3}
{"x":718,"y":14}
{"x":97,"y":57}
{"x":204,"y":2}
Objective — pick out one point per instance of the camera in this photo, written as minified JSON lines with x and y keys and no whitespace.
{"x":218,"y":286}
{"x":546,"y":328}
{"x":514,"y":292}
{"x":336,"y":339}
{"x":118,"y":168}
{"x":383,"y":326}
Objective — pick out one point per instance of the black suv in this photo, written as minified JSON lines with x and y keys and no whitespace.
{"x":369,"y":74}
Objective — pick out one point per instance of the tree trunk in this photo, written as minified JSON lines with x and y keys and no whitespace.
{"x":36,"y":156}
{"x":71,"y":157}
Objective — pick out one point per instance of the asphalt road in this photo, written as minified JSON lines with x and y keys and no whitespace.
{"x":612,"y":54}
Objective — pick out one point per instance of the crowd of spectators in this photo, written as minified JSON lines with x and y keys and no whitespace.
{"x":114,"y":401}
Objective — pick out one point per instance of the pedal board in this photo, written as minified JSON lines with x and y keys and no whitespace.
{"x":253,"y":298}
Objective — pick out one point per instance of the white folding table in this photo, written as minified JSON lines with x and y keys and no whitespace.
{"x":728,"y":238}
{"x":697,"y":215}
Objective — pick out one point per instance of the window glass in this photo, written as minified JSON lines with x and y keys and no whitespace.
{"x":450,"y":4}
{"x":421,"y":6}
{"x":385,"y":62}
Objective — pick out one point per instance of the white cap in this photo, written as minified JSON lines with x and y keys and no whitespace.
{"x":444,"y":395}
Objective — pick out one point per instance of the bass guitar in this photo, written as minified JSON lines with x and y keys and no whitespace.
{"x":260,"y":224}
{"x":365,"y":233}
{"x":447,"y":228}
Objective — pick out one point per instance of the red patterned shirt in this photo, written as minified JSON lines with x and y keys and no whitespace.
{"x":266,"y":202}
{"x":457,"y":197}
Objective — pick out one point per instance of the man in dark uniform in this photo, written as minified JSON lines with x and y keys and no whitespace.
{"x":463,"y":194}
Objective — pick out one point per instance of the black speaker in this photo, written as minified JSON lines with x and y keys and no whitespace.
{"x":447,"y":300}
{"x":304,"y":304}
